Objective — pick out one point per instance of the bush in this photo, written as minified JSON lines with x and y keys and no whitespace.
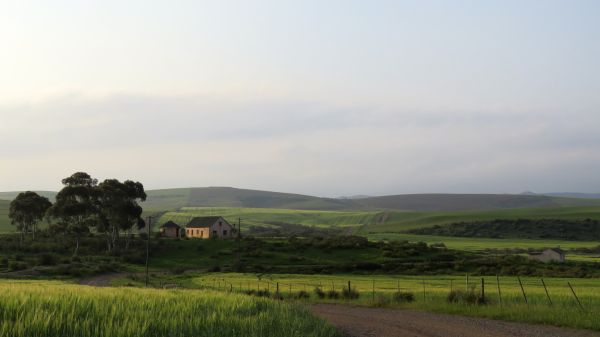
{"x":332,"y":294}
{"x":350,"y":294}
{"x":382,"y":301}
{"x":47,"y":260}
{"x":466,"y":297}
{"x":403,"y":297}
{"x":320,"y":293}
{"x":16,"y":266}
{"x":4,"y":262}
{"x":303,"y":295}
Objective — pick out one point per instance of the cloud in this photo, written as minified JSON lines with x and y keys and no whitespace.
{"x":297,"y":146}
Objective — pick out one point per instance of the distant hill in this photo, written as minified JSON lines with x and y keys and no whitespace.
{"x":235,"y":197}
{"x":461,"y":202}
{"x":13,"y":194}
{"x":575,"y":195}
{"x":171,"y":199}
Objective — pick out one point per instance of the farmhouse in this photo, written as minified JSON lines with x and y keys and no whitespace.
{"x":171,"y":230}
{"x":207,"y":227}
{"x":549,"y":255}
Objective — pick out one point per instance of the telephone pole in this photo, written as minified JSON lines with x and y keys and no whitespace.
{"x":148,"y":225}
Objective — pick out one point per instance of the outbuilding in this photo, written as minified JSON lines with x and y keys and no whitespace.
{"x":549,"y":255}
{"x":171,"y":230}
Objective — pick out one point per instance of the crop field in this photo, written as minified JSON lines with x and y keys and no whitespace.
{"x":559,"y":307}
{"x":262,"y":216}
{"x":36,"y":308}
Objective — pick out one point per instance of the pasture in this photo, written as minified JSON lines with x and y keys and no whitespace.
{"x":430,"y":293}
{"x":38,"y":308}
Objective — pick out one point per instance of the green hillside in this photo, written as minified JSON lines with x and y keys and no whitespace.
{"x":401,"y":221}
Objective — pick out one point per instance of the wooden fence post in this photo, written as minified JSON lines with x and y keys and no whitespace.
{"x":277,"y":288}
{"x":482,"y":290}
{"x":546,"y":290}
{"x":467,"y":282}
{"x":575,"y":295}
{"x":523,"y":290}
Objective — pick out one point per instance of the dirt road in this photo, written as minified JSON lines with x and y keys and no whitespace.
{"x":372,"y":322}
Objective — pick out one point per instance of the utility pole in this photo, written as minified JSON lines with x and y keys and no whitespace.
{"x":238,"y":242}
{"x":148,"y":224}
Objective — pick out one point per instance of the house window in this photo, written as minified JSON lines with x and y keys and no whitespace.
{"x":225,"y":232}
{"x":215,"y":233}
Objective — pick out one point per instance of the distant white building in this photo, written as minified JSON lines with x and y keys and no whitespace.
{"x":549,"y":255}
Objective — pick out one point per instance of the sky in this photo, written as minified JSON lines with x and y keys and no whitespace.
{"x":328,"y":98}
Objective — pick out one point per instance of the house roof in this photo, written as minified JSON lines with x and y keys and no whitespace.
{"x":203,"y":221}
{"x":170,"y":224}
{"x":557,"y":250}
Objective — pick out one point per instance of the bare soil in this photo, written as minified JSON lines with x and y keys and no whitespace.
{"x":361,"y":321}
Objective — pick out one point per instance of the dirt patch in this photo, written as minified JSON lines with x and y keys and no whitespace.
{"x":101,"y":280}
{"x":361,"y":321}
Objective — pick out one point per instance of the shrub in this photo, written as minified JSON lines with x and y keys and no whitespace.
{"x":382,"y":301}
{"x":320,"y":293}
{"x":15,"y":266}
{"x":403,"y":297}
{"x":350,"y":294}
{"x":466,"y":297}
{"x":303,"y":295}
{"x":4,"y":262}
{"x":332,"y":294}
{"x":47,"y":259}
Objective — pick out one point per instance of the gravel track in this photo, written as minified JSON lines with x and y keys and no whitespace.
{"x":375,"y":322}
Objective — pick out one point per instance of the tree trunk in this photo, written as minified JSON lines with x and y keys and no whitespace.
{"x":33,"y":232}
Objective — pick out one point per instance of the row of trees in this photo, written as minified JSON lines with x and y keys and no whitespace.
{"x":110,"y":207}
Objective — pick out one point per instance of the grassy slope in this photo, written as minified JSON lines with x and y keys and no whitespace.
{"x":55,"y":309}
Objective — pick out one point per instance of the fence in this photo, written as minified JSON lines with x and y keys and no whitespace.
{"x":490,"y":289}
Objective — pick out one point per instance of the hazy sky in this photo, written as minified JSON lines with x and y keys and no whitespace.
{"x":319,"y":97}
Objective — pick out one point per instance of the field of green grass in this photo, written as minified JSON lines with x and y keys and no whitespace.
{"x":38,"y":308}
{"x":260,"y":216}
{"x":400,"y":221}
{"x":430,"y":293}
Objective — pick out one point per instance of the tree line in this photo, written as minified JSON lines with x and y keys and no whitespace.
{"x":83,"y":205}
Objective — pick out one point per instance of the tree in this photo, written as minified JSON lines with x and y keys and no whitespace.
{"x":119,"y":209}
{"x":26,"y":210}
{"x":76,"y":206}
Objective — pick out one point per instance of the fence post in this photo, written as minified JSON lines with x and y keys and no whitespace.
{"x":349,"y":288}
{"x":499,"y":292}
{"x":546,"y":290}
{"x":522,"y":290}
{"x":423,"y":290}
{"x":482,"y":290}
{"x":577,"y":298}
{"x":467,"y":282}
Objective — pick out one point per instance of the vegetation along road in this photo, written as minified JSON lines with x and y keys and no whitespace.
{"x":361,"y":321}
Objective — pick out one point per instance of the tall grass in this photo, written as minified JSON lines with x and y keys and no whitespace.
{"x":53,"y":309}
{"x":431,"y":294}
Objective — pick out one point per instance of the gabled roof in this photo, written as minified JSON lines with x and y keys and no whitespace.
{"x":203,"y":221}
{"x":170,"y":224}
{"x":557,"y":250}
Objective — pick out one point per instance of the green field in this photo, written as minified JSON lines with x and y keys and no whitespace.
{"x":36,"y":308}
{"x":430,"y":293}
{"x":259,"y":216}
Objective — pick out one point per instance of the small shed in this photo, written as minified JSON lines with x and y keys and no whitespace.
{"x":210,"y":227}
{"x":171,"y":230}
{"x":549,"y":255}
